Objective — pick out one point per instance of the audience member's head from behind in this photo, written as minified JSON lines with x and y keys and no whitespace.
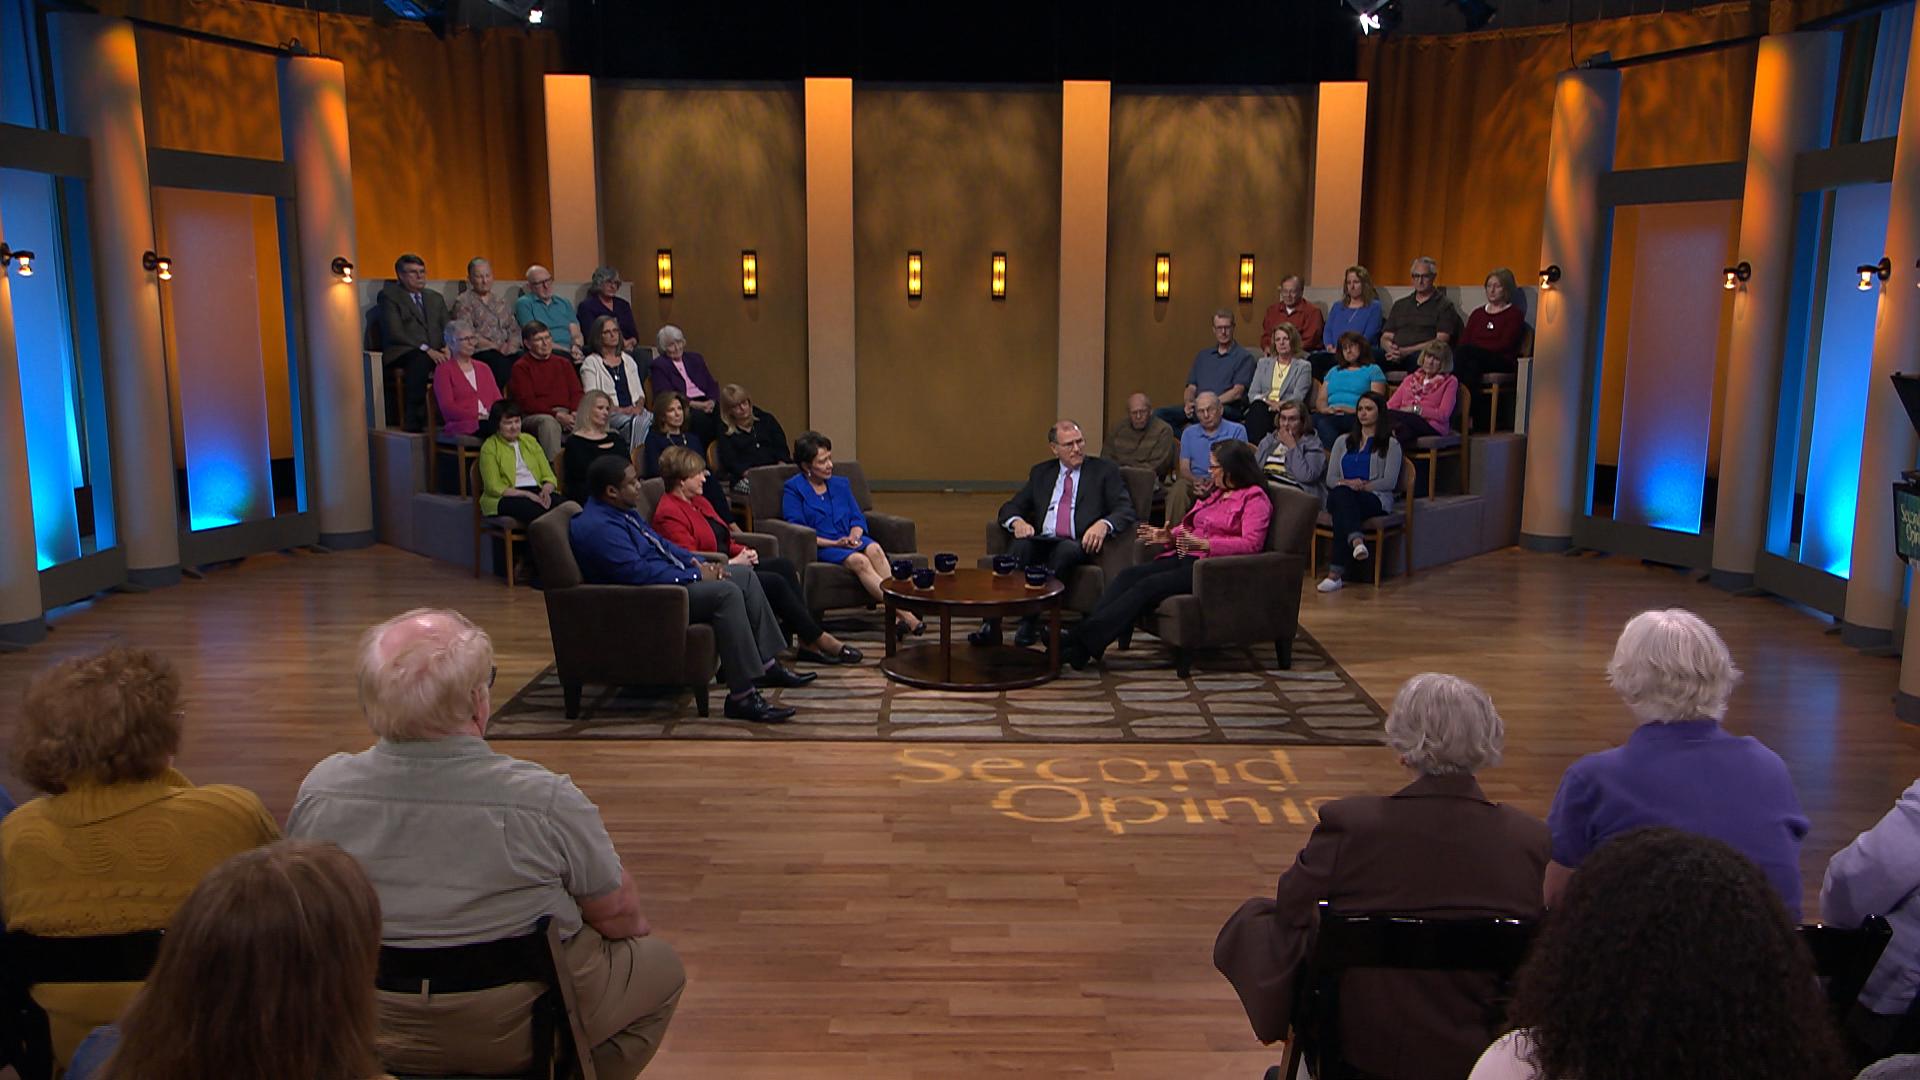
{"x":1207,"y":410}
{"x":671,"y":341}
{"x":1139,"y":411}
{"x":682,"y":471}
{"x":813,"y":452}
{"x":426,"y":675}
{"x":1357,"y":287}
{"x":538,"y":339}
{"x":267,"y":969}
{"x":1670,"y":667}
{"x":410,"y":271}
{"x":507,"y":420}
{"x":1715,"y":983}
{"x":596,"y":410}
{"x":669,"y":412}
{"x":1234,"y":466}
{"x":1353,"y":349}
{"x":613,"y":480}
{"x":1441,"y":725}
{"x":736,"y":408}
{"x":110,"y":718}
{"x":1285,"y":344}
{"x":1068,"y":444}
{"x":1436,"y":358}
{"x":605,"y":337}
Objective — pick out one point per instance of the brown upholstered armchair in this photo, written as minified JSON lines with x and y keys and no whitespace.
{"x":651,"y":492}
{"x":1243,"y":599}
{"x":1087,"y":581}
{"x":617,"y":635}
{"x":827,"y":585}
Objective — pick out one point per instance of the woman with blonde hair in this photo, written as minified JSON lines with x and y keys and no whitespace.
{"x":750,"y":437}
{"x":589,"y":439}
{"x":1284,"y":374}
{"x":1423,"y":403}
{"x":266,"y":970}
{"x":1356,"y":312}
{"x":121,"y":837}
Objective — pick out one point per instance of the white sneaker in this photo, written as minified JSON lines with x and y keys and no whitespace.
{"x":1330,"y":584}
{"x":1360,"y":551}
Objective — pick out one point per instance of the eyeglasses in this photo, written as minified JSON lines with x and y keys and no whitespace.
{"x":542,"y":281}
{"x":492,"y":674}
{"x":1423,"y":277}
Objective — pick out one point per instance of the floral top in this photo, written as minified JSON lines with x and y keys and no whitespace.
{"x":491,"y":317}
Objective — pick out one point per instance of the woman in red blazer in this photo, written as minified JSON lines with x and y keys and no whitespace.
{"x":685,"y":517}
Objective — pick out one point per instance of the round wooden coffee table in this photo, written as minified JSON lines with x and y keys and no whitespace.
{"x":972,"y":594}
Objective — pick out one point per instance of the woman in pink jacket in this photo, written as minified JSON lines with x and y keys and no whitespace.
{"x":1232,"y":520}
{"x":463,"y":390}
{"x":1423,"y":403}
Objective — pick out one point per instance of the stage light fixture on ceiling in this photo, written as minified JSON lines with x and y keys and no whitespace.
{"x":1737,"y":274}
{"x":1882,"y":270}
{"x":22,"y":259}
{"x":913,"y":275}
{"x":342,"y":269}
{"x":536,"y":14}
{"x":1246,"y":279}
{"x":1162,"y":276}
{"x":1376,"y":16}
{"x":749,"y":274}
{"x":663,"y":269}
{"x":158,"y":265}
{"x":1550,"y":276}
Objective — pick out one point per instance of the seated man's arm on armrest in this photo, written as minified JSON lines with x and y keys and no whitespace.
{"x":591,"y":871}
{"x":616,"y":915}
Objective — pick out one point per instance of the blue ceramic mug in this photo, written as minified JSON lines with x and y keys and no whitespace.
{"x":902,"y":569}
{"x":946,"y":562}
{"x":923,"y":579}
{"x":1005,"y":564}
{"x":1037,"y":577}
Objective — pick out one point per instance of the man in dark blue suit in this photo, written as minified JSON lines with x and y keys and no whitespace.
{"x":1062,"y":517}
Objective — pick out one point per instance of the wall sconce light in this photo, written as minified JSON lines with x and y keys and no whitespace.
{"x":749,"y":274}
{"x":913,"y":275}
{"x":1882,"y":270}
{"x":343,"y":269}
{"x":1162,"y":276}
{"x":1550,"y":276}
{"x":159,"y":265}
{"x":663,"y":266}
{"x":9,"y":256}
{"x":997,"y":284}
{"x":1246,"y":278}
{"x":1737,"y":274}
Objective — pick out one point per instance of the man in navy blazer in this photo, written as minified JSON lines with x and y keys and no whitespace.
{"x":1062,"y":517}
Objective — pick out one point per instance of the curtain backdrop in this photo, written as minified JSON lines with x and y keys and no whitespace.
{"x":448,"y":137}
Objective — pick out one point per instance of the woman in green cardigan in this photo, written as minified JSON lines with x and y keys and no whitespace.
{"x":516,"y":480}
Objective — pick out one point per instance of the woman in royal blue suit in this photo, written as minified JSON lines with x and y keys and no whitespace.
{"x":824,"y":503}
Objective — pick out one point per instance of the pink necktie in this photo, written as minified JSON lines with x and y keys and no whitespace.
{"x":1063,"y":517}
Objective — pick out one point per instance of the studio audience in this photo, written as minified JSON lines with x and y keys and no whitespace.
{"x":1223,"y":369}
{"x":1196,"y":443}
{"x":1424,"y":402}
{"x":589,"y":440}
{"x":546,"y":386}
{"x":1363,"y":478}
{"x":749,"y":438}
{"x":1356,"y":312}
{"x":603,"y":301}
{"x":612,"y":371}
{"x":267,"y":969}
{"x":1669,"y":956}
{"x":1879,"y":874}
{"x":1297,"y":312}
{"x":823,"y":502}
{"x":685,"y":517}
{"x":496,"y":334}
{"x":1438,"y":847}
{"x":1144,"y":441}
{"x":1679,"y":767}
{"x":465,"y":845}
{"x":516,"y":479}
{"x":685,"y":373}
{"x":1283,"y":374}
{"x":121,"y":836}
{"x":413,"y":331}
{"x":1339,"y":394}
{"x":539,"y":304}
{"x":614,"y":545}
{"x":670,"y":417}
{"x":1231,"y":518}
{"x":1292,"y":455}
{"x":463,"y":390}
{"x":1423,"y":315}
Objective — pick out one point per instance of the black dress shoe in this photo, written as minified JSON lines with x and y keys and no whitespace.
{"x":778,"y":677}
{"x":1075,"y":654}
{"x":988,"y":634}
{"x":756,"y":710}
{"x":847,"y":655}
{"x":1028,"y":634}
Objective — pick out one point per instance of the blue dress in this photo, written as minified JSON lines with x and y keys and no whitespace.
{"x":833,"y":515}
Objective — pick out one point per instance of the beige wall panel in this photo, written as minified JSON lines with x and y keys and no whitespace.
{"x":1340,"y":152}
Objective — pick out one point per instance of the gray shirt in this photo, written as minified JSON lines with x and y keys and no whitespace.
{"x":1212,"y":371}
{"x":462,"y":844}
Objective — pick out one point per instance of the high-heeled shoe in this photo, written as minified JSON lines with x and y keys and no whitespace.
{"x":901,"y":629}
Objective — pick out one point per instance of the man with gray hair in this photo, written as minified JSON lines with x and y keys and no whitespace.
{"x":1419,"y":317}
{"x":1437,"y":847}
{"x":465,"y":845}
{"x":539,"y":304}
{"x":413,"y":324}
{"x":604,"y":301}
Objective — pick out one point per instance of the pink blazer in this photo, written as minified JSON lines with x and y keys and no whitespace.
{"x":1235,"y":521}
{"x":460,"y":403}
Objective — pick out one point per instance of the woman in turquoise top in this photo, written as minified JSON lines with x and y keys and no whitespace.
{"x":1340,"y":392}
{"x":824,"y":503}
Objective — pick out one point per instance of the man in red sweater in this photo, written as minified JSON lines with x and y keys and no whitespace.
{"x":545,"y":386}
{"x":1292,"y":308}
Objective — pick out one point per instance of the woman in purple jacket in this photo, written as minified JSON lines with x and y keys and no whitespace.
{"x":685,"y":373}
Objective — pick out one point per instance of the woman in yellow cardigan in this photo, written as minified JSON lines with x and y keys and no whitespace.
{"x":121,"y":837}
{"x":516,"y":480}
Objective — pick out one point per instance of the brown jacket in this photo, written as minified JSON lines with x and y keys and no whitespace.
{"x":1437,"y":847}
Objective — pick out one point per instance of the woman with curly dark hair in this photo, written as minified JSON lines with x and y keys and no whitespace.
{"x":1669,"y":956}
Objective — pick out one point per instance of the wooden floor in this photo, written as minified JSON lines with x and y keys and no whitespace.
{"x":951,"y":911}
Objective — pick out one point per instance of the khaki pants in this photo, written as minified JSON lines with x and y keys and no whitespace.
{"x":626,"y":992}
{"x":545,"y":428}
{"x":1179,"y":500}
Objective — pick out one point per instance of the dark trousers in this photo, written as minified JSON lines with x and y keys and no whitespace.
{"x":1259,"y":422}
{"x":1057,"y":555}
{"x":519,"y":509}
{"x":1408,"y":426}
{"x":704,"y":424}
{"x":1330,"y":426}
{"x":1470,"y":362}
{"x":1136,"y":591}
{"x":416,"y":369}
{"x":1349,"y":510}
{"x":781,"y":583}
{"x":499,"y":363}
{"x":1323,"y":361}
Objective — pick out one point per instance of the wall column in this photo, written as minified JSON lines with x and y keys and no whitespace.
{"x":1339,"y":155}
{"x":1086,"y":110}
{"x":98,"y":79}
{"x":1793,"y":89}
{"x":1586,"y":107}
{"x":830,"y":355}
{"x":21,"y":609}
{"x":573,"y":180}
{"x":313,"y":125}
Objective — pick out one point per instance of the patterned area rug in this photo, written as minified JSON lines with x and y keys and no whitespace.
{"x":1233,"y":697}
